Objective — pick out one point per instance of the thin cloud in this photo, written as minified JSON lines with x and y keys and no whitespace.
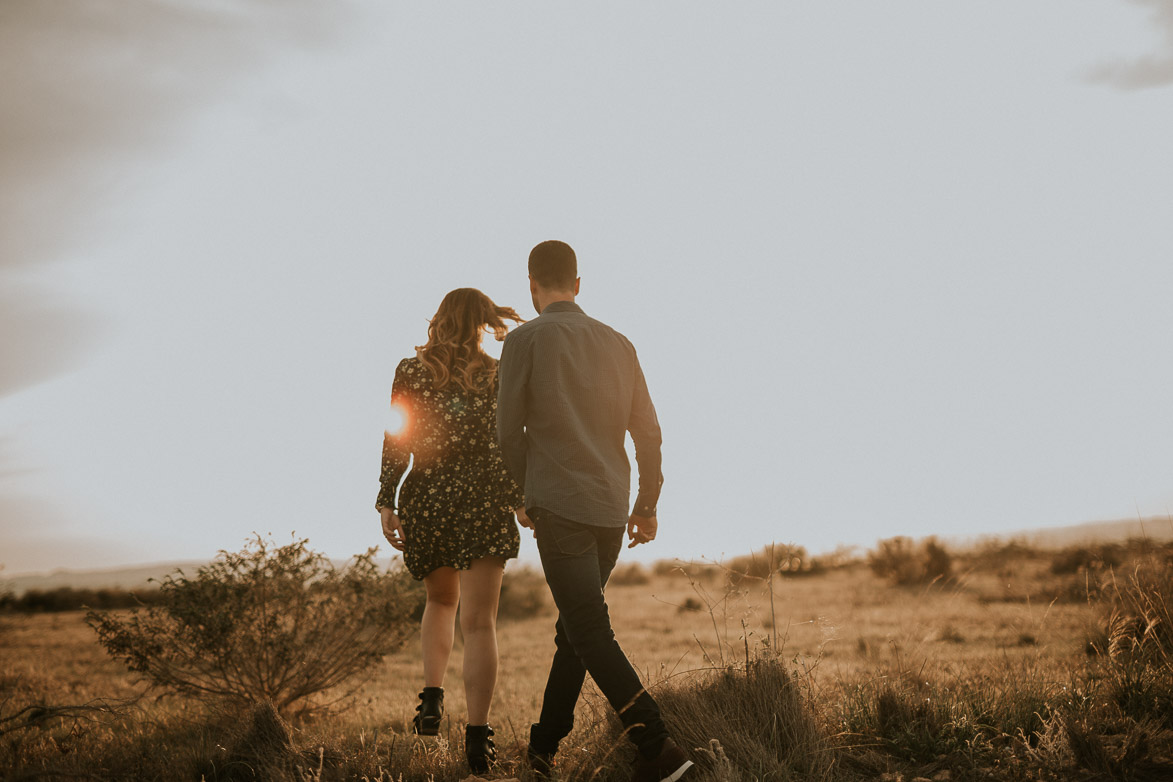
{"x":39,"y":536}
{"x":91,"y":87}
{"x":42,"y":337}
{"x":1155,"y":70}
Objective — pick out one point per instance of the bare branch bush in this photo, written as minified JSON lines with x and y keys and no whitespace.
{"x":269,"y":623}
{"x":44,"y":715}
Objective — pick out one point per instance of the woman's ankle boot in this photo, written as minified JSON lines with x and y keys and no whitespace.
{"x":429,"y":713}
{"x":479,"y":748}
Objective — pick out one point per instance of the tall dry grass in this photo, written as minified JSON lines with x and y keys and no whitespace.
{"x":1137,"y":641}
{"x":739,"y":722}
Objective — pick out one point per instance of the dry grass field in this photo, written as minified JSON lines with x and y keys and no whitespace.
{"x":1002,"y":671}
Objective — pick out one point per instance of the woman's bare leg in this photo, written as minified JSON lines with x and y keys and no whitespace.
{"x":480,"y":588}
{"x":439,"y":623}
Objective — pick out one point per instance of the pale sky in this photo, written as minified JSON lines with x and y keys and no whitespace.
{"x":891,"y":268}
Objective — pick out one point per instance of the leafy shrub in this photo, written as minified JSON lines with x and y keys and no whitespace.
{"x":938,"y":563}
{"x":1080,"y":559}
{"x":277,"y":624}
{"x":629,"y":574}
{"x":903,"y":562}
{"x":524,"y":593}
{"x":997,"y":554}
{"x":783,"y":560}
{"x":842,"y":556}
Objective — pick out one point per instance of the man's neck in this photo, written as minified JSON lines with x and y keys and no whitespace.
{"x":552,"y":298}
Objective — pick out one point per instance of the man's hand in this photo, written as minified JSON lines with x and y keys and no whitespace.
{"x":641,"y":529}
{"x":392,"y":529}
{"x":524,"y":520}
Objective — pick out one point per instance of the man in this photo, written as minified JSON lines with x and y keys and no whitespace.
{"x":570,"y":389}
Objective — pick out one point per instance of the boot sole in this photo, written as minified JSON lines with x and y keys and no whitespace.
{"x":678,"y":773}
{"x":426,"y":728}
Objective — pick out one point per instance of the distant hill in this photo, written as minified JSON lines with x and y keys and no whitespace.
{"x":114,"y":578}
{"x":1157,"y":528}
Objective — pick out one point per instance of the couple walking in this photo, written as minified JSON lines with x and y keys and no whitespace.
{"x":539,"y":437}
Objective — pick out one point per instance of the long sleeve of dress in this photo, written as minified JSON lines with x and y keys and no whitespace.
{"x":396,"y":446}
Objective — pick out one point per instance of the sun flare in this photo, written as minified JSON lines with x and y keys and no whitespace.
{"x":396,"y":420}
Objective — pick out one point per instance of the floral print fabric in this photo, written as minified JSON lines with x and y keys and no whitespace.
{"x":457,"y":503}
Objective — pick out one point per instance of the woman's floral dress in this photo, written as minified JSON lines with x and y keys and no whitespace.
{"x":456,"y":504}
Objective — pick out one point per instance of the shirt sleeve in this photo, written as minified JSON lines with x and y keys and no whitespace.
{"x":397,"y":446}
{"x":513,"y":378}
{"x":510,"y":491}
{"x":645,"y":435}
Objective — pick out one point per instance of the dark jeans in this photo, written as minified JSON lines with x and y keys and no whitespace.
{"x":577,"y":559}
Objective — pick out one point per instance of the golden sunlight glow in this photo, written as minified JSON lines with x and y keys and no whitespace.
{"x":396,"y":420}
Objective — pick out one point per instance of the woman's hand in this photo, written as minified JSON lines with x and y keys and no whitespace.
{"x":392,"y":529}
{"x":524,"y":520}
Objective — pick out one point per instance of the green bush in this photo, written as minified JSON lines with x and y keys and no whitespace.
{"x":277,"y":624}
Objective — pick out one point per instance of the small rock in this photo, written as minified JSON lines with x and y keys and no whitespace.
{"x":944,"y":775}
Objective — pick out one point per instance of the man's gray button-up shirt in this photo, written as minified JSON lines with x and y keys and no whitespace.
{"x":571,"y":387}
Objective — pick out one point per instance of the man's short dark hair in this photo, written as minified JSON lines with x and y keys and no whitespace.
{"x":553,"y":265}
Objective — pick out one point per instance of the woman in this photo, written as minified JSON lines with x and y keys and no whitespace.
{"x":454,"y":521}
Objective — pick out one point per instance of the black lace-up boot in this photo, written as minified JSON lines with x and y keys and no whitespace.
{"x":426,"y":722}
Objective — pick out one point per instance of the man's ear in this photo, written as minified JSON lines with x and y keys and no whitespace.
{"x":577,"y":280}
{"x":533,"y":284}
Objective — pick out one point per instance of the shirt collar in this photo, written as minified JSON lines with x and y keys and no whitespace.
{"x":563,"y":306}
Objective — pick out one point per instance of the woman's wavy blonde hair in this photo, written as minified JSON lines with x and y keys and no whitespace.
{"x":453,"y":352}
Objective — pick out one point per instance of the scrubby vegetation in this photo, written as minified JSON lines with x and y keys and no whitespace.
{"x":267,"y":624}
{"x":994,"y":671}
{"x":629,"y":574}
{"x":71,"y":599}
{"x":524,"y":594}
{"x":748,"y":720}
{"x":904,"y":562}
